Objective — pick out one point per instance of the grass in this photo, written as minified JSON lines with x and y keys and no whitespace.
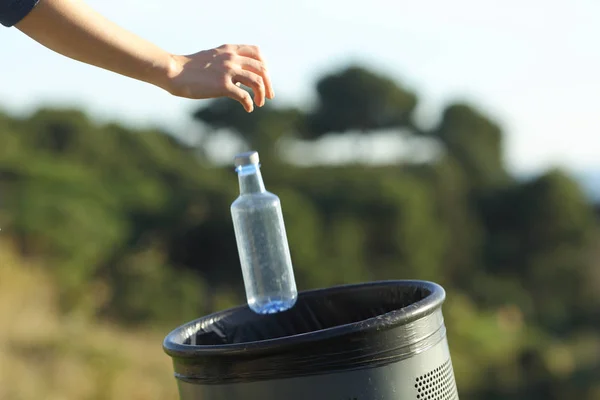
{"x":46,"y":355}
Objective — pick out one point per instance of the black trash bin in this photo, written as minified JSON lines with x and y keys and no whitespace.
{"x":373,"y":341}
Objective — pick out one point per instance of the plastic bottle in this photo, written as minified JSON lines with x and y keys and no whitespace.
{"x":262,"y":241}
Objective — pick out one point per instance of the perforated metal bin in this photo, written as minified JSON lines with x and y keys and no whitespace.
{"x":373,"y":341}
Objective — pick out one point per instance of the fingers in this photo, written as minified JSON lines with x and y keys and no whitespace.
{"x":247,"y":53}
{"x":254,"y":81}
{"x":240,"y":95}
{"x":246,"y":65}
{"x":259,"y":68}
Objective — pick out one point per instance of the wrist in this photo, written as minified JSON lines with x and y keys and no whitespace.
{"x":164,"y":71}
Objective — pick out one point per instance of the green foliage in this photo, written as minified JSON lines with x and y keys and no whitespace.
{"x":475,"y":142}
{"x":260,"y":130}
{"x":136,"y":213}
{"x":146,"y":288}
{"x":358,"y":99}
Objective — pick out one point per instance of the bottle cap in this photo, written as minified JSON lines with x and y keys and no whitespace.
{"x":247,"y":158}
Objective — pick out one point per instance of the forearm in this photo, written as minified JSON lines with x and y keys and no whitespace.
{"x":73,"y":29}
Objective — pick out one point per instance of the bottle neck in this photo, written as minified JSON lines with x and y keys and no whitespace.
{"x":250,"y":179}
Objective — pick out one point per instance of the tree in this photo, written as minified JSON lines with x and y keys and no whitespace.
{"x":556,"y":232}
{"x":260,"y":130}
{"x":358,"y":99}
{"x":476,"y":143}
{"x":136,"y":214}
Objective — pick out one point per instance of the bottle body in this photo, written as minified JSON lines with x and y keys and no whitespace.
{"x":262,"y":245}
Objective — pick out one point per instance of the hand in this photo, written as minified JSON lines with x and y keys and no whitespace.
{"x":75,"y":30}
{"x":219,"y":73}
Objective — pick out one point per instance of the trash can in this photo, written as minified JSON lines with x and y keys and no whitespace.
{"x":372,"y":341}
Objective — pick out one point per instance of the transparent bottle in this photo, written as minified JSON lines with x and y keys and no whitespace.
{"x":262,"y":241}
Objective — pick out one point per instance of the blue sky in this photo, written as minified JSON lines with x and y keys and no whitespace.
{"x":533,"y":65}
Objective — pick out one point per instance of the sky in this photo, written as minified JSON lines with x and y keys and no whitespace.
{"x":533,"y":66}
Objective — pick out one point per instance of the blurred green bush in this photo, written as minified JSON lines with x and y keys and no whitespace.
{"x":134,"y":227}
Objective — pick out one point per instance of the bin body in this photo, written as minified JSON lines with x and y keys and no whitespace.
{"x":373,"y":341}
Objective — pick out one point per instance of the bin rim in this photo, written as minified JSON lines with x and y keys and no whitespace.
{"x":174,"y":347}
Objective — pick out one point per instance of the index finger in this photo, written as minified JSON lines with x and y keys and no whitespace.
{"x":250,"y":51}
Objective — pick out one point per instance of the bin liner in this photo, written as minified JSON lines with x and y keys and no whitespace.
{"x":377,"y":340}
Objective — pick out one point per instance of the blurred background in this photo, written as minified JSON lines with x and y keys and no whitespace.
{"x":449,"y":141}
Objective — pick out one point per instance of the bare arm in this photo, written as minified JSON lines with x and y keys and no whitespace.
{"x":73,"y":29}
